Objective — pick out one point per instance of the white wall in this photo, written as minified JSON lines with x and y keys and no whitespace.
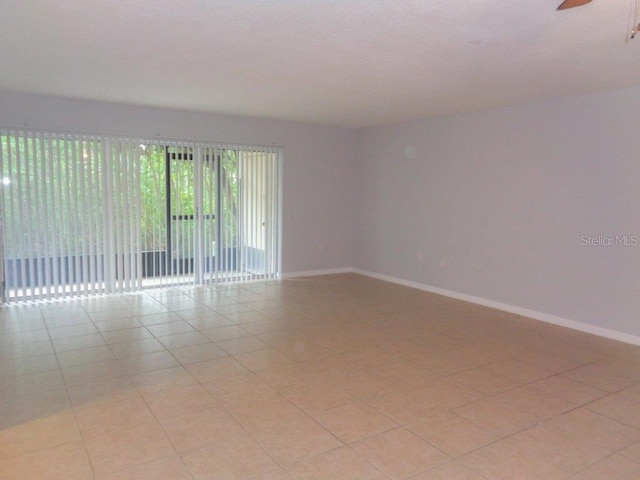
{"x":494,"y":205}
{"x":318,"y":191}
{"x":490,"y":204}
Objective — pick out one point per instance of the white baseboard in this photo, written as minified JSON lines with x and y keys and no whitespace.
{"x":315,"y":273}
{"x":544,"y":317}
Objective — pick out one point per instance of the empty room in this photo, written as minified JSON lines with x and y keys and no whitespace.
{"x":340,"y":239}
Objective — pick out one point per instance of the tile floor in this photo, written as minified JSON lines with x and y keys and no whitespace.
{"x":336,"y":377}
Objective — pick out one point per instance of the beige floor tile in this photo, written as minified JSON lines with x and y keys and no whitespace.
{"x":449,"y":471}
{"x":289,"y":375}
{"x":197,"y":353}
{"x":117,"y":321}
{"x":63,"y":462}
{"x":632,"y":392}
{"x":446,"y":363}
{"x":224,"y":332}
{"x":329,"y":347}
{"x":405,"y":406}
{"x":99,"y":305}
{"x":22,"y":350}
{"x":632,"y":452}
{"x":447,"y":394}
{"x":31,"y":383}
{"x":262,"y":415}
{"x":158,"y":318}
{"x":303,"y":350}
{"x":139,"y":347}
{"x":562,"y":447}
{"x":261,"y":359}
{"x":21,"y":323}
{"x":358,"y":384}
{"x":113,"y":337}
{"x":597,"y":429}
{"x":148,"y":362}
{"x":127,"y":412}
{"x":231,"y":460}
{"x":179,"y":400}
{"x":147,"y":310}
{"x":84,"y":356}
{"x":28,"y":408}
{"x":509,"y":412}
{"x":265,"y":326}
{"x":497,"y":416}
{"x":236,"y":346}
{"x":484,"y":382}
{"x":12,"y":367}
{"x":92,"y":372}
{"x":101,"y":392}
{"x":180,"y":340}
{"x":504,"y":461}
{"x":115,"y":449}
{"x":401,"y":342}
{"x":553,"y":360}
{"x":278,"y":474}
{"x":163,"y":379}
{"x":280,"y":339}
{"x":102,"y":304}
{"x":367,"y":356}
{"x":238,"y":314}
{"x":23,"y":337}
{"x":296,"y":439}
{"x":216,"y":369}
{"x":263,"y":304}
{"x":246,"y":297}
{"x":211,"y":321}
{"x":39,"y":434}
{"x":563,"y":387}
{"x":341,"y":463}
{"x":192,"y":430}
{"x":184,"y":304}
{"x":77,"y":342}
{"x":615,"y":467}
{"x":353,"y":422}
{"x":216,"y":302}
{"x":170,"y":328}
{"x":241,"y":388}
{"x":518,"y":371}
{"x":197,"y":310}
{"x":316,"y":397}
{"x":79,"y":329}
{"x":282,"y":311}
{"x":66,"y":319}
{"x":399,"y":453}
{"x":608,"y":375}
{"x":453,"y":434}
{"x":621,"y":407}
{"x":168,"y":468}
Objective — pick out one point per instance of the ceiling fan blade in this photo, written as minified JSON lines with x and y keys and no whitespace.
{"x":572,"y":3}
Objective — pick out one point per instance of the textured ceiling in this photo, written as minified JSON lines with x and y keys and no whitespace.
{"x":351,"y":63}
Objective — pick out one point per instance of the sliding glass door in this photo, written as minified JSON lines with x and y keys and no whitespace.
{"x":84,"y":215}
{"x":193,"y":225}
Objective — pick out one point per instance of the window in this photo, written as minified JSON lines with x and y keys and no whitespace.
{"x":92,"y":214}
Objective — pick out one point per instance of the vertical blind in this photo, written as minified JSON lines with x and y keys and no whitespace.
{"x":84,"y":214}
